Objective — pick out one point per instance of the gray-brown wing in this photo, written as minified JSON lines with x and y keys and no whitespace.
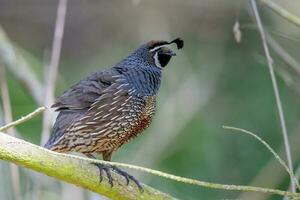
{"x":83,"y":94}
{"x":107,"y":119}
{"x":75,"y":102}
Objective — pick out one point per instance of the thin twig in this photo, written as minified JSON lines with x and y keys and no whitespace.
{"x":277,"y":157}
{"x":276,"y":91}
{"x":51,"y":72}
{"x":6,"y":100}
{"x":282,"y":12}
{"x":23,"y":119}
{"x":192,"y":181}
{"x":265,"y":176}
{"x":14,"y":170}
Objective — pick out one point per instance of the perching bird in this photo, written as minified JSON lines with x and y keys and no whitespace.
{"x":108,"y":108}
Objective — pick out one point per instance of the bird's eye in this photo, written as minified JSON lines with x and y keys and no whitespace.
{"x":162,"y":57}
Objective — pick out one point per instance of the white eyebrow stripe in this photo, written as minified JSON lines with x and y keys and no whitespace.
{"x":158,"y":47}
{"x":157,"y":63}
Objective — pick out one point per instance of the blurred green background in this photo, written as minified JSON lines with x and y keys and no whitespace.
{"x":213,"y":81}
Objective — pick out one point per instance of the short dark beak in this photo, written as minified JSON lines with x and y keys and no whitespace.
{"x":170,"y":53}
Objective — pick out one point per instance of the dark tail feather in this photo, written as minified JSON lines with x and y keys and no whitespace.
{"x":63,"y":121}
{"x":49,"y":144}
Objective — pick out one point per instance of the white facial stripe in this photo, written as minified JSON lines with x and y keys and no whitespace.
{"x":157,"y":63}
{"x":158,"y":47}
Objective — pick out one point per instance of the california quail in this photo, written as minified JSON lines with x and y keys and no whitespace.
{"x":108,"y":108}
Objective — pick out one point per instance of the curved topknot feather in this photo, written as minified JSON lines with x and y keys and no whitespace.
{"x":179,"y":42}
{"x":154,"y":43}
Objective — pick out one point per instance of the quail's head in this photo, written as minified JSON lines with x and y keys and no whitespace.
{"x":158,"y":53}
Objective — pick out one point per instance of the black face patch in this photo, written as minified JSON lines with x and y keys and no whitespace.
{"x":163,"y":59}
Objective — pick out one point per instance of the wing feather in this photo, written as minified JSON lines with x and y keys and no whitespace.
{"x":74,"y":103}
{"x":83,"y":94}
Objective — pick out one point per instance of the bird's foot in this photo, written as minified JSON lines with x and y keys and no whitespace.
{"x":128,"y":177}
{"x":107,"y":169}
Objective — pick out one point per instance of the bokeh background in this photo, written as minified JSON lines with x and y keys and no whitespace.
{"x":213,"y":81}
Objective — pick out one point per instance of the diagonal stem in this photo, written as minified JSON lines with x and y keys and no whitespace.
{"x":22,"y":119}
{"x":19,"y":67}
{"x":52,"y":69}
{"x":285,"y":14}
{"x":276,"y":91}
{"x":14,"y":170}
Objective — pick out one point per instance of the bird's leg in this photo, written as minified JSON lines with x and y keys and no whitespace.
{"x":101,"y":168}
{"x":128,"y":177}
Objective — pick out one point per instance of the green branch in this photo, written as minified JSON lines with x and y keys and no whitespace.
{"x":78,"y":170}
{"x":71,"y":170}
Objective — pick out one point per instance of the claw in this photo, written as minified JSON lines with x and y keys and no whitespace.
{"x":122,"y":173}
{"x":128,"y":177}
{"x":107,"y":168}
{"x":108,"y":174}
{"x":100,"y":174}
